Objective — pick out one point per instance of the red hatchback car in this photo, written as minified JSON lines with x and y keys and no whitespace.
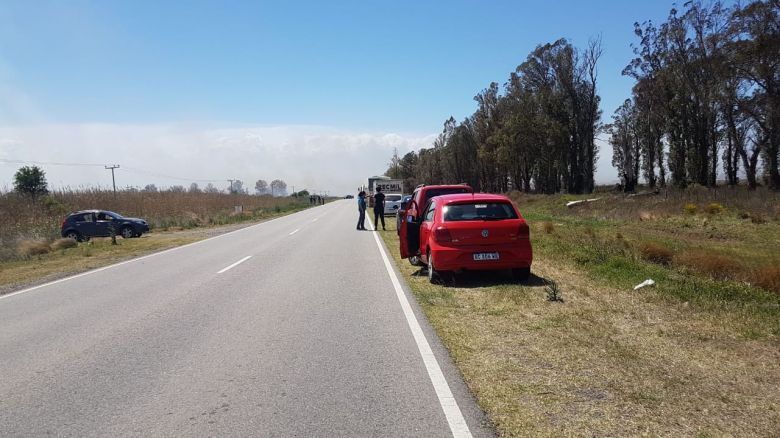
{"x":469,"y":232}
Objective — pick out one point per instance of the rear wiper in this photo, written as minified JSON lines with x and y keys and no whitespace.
{"x":486,"y":218}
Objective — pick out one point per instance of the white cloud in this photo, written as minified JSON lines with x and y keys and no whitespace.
{"x":310,"y":157}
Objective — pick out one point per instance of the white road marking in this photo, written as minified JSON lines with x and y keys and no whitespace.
{"x":449,"y":405}
{"x":235,"y":264}
{"x":41,"y":286}
{"x":315,"y":219}
{"x":295,"y":231}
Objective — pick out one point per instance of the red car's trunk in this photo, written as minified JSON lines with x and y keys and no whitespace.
{"x":481,"y":232}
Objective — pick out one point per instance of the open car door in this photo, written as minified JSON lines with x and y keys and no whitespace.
{"x":409,"y":234}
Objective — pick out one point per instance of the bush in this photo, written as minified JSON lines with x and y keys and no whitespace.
{"x":715,"y":208}
{"x":656,"y":252}
{"x":29,"y":248}
{"x":63,"y":244}
{"x":717,"y":266}
{"x":757,"y":219}
{"x":691,"y":208}
{"x":548,"y":227}
{"x":768,"y":278}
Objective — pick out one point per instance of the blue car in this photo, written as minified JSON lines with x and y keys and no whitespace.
{"x":82,"y":225}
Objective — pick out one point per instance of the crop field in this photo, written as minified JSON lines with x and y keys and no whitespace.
{"x":28,"y":222}
{"x":576,"y":351}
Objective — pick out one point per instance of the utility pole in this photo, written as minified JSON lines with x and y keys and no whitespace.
{"x":231,"y":186}
{"x":113,"y":180}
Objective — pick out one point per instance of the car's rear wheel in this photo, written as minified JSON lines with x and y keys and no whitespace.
{"x":521,"y":274}
{"x":434,"y":276}
{"x":73,"y":235}
{"x":128,"y":232}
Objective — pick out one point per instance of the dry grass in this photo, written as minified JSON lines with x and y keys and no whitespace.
{"x":606,"y":362}
{"x":767,"y":277}
{"x":548,"y":227}
{"x":656,"y":252}
{"x":24,"y":218}
{"x":63,"y":243}
{"x":717,"y":266}
{"x":32,"y":247}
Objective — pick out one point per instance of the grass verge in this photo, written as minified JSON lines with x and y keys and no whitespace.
{"x":692,"y":357}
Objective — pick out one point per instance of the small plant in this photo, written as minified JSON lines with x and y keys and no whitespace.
{"x":112,"y":233}
{"x":553,"y":291}
{"x":656,"y":252}
{"x":768,"y":278}
{"x":717,"y":266}
{"x":548,"y":227}
{"x":715,"y":208}
{"x":757,"y":218}
{"x":691,"y":208}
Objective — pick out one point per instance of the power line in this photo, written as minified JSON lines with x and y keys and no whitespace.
{"x":49,"y":163}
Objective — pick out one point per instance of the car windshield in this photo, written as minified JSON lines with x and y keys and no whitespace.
{"x":487,"y":211}
{"x":392,"y":197}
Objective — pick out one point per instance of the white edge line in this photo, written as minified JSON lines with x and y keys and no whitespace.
{"x":296,"y":230}
{"x":235,"y":264}
{"x":449,"y":405}
{"x":175,"y":248}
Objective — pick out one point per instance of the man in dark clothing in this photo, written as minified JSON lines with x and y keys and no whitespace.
{"x":361,"y":210}
{"x":379,"y":209}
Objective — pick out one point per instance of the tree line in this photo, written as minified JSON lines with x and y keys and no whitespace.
{"x":706,"y":97}
{"x":31,"y":180}
{"x":535,"y":134}
{"x":706,"y":90}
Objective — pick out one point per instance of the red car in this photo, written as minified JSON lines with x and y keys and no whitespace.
{"x":474,"y":231}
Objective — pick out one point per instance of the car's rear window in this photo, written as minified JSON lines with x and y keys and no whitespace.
{"x":392,"y":197}
{"x":486,"y":211}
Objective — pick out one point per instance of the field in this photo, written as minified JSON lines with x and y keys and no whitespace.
{"x":31,"y":250}
{"x":698,"y":354}
{"x":24,"y":219}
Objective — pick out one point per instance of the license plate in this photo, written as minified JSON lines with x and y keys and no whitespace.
{"x":486,"y":256}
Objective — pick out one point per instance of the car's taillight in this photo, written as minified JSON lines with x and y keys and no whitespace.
{"x":64,"y":221}
{"x":442,"y":235}
{"x":524,"y":232}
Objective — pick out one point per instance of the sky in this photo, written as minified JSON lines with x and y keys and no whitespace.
{"x":317,"y":94}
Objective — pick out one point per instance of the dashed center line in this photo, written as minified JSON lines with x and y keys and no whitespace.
{"x":296,"y":230}
{"x":235,"y":264}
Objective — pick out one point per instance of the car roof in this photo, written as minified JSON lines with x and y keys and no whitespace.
{"x":446,"y":186}
{"x":470,"y":197}
{"x":86,"y":211}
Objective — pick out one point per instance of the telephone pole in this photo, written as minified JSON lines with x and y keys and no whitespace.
{"x":113,"y":180}
{"x":230,"y":191}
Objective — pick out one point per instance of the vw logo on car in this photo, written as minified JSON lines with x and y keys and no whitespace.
{"x":485,"y":233}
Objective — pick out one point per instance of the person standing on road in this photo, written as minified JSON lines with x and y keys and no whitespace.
{"x":361,"y":225}
{"x":379,"y":209}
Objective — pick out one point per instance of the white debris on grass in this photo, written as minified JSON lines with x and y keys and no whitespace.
{"x":648,"y":282}
{"x":581,"y":201}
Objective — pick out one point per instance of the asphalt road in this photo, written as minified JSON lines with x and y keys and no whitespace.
{"x":307,"y":336}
